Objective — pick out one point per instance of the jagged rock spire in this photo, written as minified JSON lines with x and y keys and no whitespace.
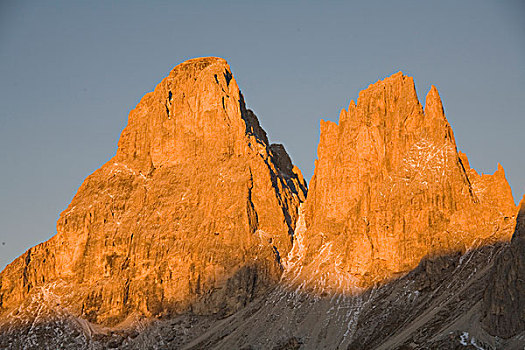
{"x":390,"y":188}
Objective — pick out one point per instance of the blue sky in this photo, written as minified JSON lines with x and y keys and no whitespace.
{"x":72,"y":70}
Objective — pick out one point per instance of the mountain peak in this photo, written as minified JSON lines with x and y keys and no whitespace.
{"x":197,"y":65}
{"x":390,"y":188}
{"x":196,"y":108}
{"x":194,"y":202}
{"x":433,"y":104}
{"x":395,"y":85}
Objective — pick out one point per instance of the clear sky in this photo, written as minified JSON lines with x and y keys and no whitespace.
{"x":70,"y":71}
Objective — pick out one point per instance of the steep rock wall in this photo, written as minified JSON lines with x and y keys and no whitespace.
{"x":391,"y":188}
{"x":193,"y":212}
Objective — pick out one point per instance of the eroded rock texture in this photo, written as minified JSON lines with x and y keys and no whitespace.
{"x":391,"y":188}
{"x":193,"y":212}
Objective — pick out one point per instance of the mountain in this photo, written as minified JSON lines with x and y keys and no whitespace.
{"x":192,"y":213}
{"x":391,"y":188}
{"x":200,"y":234}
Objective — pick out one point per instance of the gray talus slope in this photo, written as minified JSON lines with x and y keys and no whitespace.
{"x":436,"y":306}
{"x":439,"y":305}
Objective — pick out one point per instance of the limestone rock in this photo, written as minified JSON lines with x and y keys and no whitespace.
{"x":504,"y":299}
{"x":198,"y":216}
{"x":391,"y":188}
{"x":192,"y":213}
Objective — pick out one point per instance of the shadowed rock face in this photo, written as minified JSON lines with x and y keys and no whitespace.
{"x":193,"y":212}
{"x":504,"y":299}
{"x":390,"y":188}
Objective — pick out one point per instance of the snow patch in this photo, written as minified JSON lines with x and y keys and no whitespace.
{"x":323,"y":274}
{"x":464,"y":340}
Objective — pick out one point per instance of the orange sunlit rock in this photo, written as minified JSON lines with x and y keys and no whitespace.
{"x":193,"y":212}
{"x":197,"y":215}
{"x":391,"y":188}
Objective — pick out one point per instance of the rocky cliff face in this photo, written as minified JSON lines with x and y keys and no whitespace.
{"x":197,"y":235}
{"x":391,"y":188}
{"x":193,"y":212}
